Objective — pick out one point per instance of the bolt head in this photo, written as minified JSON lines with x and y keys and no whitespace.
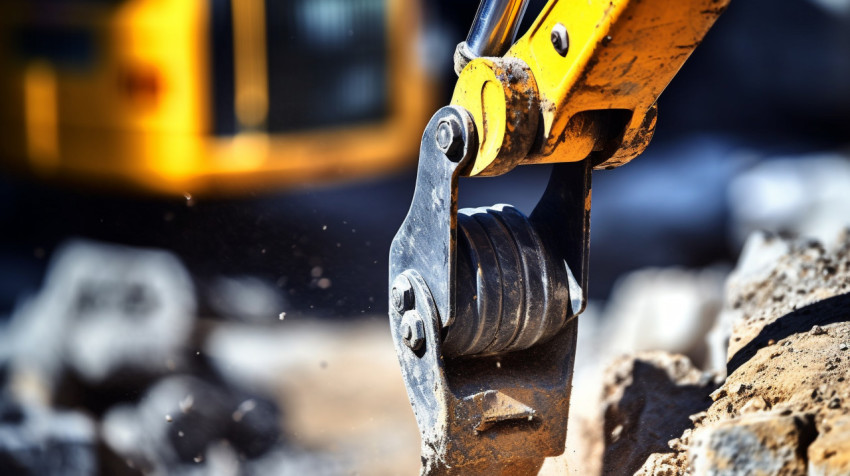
{"x":402,"y":294}
{"x":413,"y":330}
{"x":449,"y":137}
{"x":560,"y":39}
{"x":406,"y":331}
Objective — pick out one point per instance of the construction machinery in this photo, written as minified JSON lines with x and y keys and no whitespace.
{"x":175,"y":96}
{"x":483,"y":302}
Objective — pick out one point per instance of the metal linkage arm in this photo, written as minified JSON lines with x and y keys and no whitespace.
{"x":482,"y":308}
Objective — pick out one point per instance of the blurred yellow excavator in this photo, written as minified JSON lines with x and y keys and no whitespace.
{"x":210,"y":95}
{"x":483,"y":302}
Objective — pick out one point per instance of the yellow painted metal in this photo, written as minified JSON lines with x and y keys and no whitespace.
{"x":504,"y":89}
{"x":82,"y":125}
{"x":621,"y":56}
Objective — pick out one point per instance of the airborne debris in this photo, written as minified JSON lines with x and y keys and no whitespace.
{"x":187,"y":403}
{"x":243,"y":409}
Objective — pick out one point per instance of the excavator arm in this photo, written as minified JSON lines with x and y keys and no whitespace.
{"x":483,"y":302}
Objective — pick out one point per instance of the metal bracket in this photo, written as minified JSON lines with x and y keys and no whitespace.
{"x":499,"y":412}
{"x":483,"y":415}
{"x":425,"y":241}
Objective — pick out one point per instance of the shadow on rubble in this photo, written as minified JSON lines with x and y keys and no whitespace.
{"x":653,"y":410}
{"x":821,"y":313}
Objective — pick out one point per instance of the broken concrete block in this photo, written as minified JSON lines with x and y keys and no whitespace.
{"x":663,"y":309}
{"x":764,"y":443}
{"x":801,"y":195}
{"x":104,"y":311}
{"x":829,"y":454}
{"x":180,"y":418}
{"x":648,"y":401}
{"x":35,"y":440}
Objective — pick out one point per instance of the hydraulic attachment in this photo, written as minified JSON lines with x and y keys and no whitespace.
{"x":483,"y":302}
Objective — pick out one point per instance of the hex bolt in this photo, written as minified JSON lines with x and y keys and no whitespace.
{"x":448,"y":137}
{"x":413,"y":330}
{"x":402,"y":294}
{"x":560,"y":39}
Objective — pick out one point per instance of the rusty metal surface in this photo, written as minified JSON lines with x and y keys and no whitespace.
{"x":499,"y":414}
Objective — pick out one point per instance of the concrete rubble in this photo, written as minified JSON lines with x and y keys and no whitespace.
{"x":829,"y":454}
{"x":781,"y":405}
{"x":662,"y":309}
{"x":799,"y":195}
{"x":38,"y":440}
{"x":102,"y":372}
{"x":762,"y":443}
{"x":647,"y":400}
{"x":105,"y":313}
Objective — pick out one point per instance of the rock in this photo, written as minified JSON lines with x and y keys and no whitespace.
{"x":663,"y":309}
{"x":648,"y":401}
{"x":255,"y":427}
{"x":787,"y":377}
{"x":757,"y":261}
{"x":755,"y":404}
{"x":662,"y":464}
{"x":753,"y":444}
{"x":245,"y":298}
{"x":179,"y":419}
{"x":804,"y":196}
{"x":829,"y":454}
{"x":38,"y":441}
{"x":804,"y":287}
{"x":105,"y":312}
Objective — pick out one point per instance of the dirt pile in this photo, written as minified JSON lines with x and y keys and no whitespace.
{"x":784,"y":407}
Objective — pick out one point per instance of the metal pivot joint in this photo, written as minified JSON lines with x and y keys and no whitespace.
{"x":482,"y":308}
{"x":493,"y":31}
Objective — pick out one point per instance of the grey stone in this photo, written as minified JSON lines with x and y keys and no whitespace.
{"x":179,"y":419}
{"x":829,"y":454}
{"x":38,"y":441}
{"x":104,"y":311}
{"x":806,"y":196}
{"x":245,"y":298}
{"x":762,"y":443}
{"x":648,"y":401}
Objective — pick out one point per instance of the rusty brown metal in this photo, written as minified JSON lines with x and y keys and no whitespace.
{"x":497,"y":414}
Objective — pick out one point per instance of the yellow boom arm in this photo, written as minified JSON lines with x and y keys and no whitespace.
{"x":584,"y":79}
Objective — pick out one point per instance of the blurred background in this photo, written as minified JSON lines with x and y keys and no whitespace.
{"x":197,"y":200}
